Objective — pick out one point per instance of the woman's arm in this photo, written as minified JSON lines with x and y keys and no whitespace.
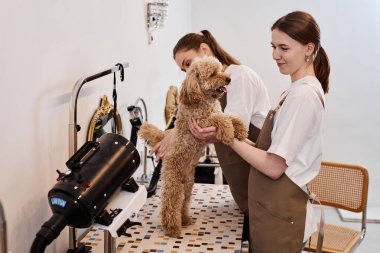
{"x":269,"y":164}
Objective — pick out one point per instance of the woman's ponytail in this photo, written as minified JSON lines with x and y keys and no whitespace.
{"x":218,"y":51}
{"x":322,"y":68}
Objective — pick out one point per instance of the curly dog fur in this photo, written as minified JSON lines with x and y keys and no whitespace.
{"x":203,"y":86}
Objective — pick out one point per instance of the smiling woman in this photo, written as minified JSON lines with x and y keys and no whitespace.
{"x":296,"y":40}
{"x":288,"y":151}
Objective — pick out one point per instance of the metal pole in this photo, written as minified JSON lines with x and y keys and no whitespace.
{"x":109,"y":242}
{"x":144,"y":176}
{"x":3,"y":231}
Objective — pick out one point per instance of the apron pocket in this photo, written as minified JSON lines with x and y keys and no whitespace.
{"x":273,"y":213}
{"x":267,"y":221}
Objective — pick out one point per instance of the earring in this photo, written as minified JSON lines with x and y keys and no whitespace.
{"x":307,"y":59}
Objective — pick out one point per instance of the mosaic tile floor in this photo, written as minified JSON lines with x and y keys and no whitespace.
{"x":217,"y":226}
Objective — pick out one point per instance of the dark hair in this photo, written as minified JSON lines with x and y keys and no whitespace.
{"x":302,"y":27}
{"x":194,"y":40}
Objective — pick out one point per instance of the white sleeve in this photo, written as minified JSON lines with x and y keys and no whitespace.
{"x":294,"y":126}
{"x":241,"y":94}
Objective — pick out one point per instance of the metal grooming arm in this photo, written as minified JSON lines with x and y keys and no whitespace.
{"x":74,"y":128}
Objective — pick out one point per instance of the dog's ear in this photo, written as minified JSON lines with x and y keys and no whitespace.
{"x":191,"y":92}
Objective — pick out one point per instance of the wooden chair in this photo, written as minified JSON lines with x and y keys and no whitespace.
{"x":342,"y":186}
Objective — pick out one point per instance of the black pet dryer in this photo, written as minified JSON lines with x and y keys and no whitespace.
{"x":96,"y":171}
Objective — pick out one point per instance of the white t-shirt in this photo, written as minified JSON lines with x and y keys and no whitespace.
{"x":297,"y":136}
{"x":247,"y":96}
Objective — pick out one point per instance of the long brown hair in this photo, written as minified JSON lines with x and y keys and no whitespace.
{"x":194,"y":40}
{"x":302,"y":27}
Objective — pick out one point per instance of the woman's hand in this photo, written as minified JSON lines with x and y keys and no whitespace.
{"x":206,"y":135}
{"x":161,"y":147}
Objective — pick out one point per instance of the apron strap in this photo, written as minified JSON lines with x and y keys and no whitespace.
{"x":318,"y":93}
{"x":280,"y":103}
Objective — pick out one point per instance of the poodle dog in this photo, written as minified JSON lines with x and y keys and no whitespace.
{"x":204,"y":84}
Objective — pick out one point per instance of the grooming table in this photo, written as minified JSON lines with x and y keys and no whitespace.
{"x":217,"y":226}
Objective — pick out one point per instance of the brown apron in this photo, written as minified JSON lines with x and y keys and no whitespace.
{"x":277,"y":208}
{"x":234,"y":168}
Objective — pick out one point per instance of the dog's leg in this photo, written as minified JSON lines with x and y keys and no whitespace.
{"x":172,"y":197}
{"x":188,"y":183}
{"x":225,"y":129}
{"x":241,"y":131}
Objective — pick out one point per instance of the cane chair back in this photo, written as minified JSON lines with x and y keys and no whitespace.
{"x":343,"y":186}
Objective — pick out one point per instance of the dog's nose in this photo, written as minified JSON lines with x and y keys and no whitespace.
{"x":228,"y":80}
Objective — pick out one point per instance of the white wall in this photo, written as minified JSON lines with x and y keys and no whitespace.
{"x":45,"y":47}
{"x":350,"y":35}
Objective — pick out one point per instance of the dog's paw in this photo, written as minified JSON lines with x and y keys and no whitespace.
{"x":225,"y":130}
{"x":186,"y":221}
{"x":172,"y":231}
{"x":226,"y":135}
{"x":240,"y":130}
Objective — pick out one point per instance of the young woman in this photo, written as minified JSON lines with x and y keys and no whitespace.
{"x":287,"y":154}
{"x":246,"y":98}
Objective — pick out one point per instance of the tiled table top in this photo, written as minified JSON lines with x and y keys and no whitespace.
{"x":217,"y":226}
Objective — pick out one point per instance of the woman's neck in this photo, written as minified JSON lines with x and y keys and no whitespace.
{"x":302,"y":72}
